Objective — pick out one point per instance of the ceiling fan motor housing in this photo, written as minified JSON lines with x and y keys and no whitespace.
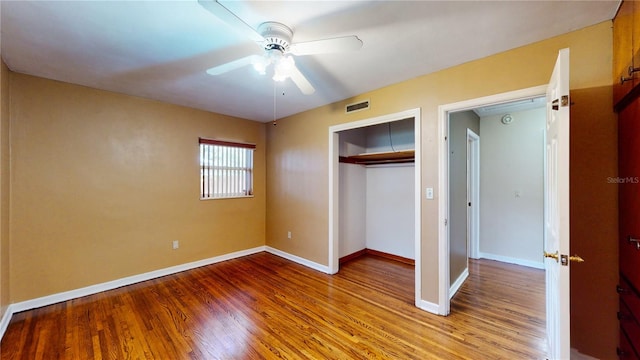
{"x":277,"y":36}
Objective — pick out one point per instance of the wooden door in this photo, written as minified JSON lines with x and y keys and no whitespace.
{"x":623,"y":51}
{"x":629,"y":191}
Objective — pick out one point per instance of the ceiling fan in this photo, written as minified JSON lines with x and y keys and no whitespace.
{"x":276,"y":41}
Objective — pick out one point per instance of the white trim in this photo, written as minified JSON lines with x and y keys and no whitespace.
{"x":94,"y":289}
{"x":334,"y":180}
{"x":443,"y":176}
{"x":334,"y":216}
{"x":298,"y":259}
{"x":577,"y":355}
{"x":6,"y":318}
{"x":473,"y":184}
{"x":443,"y":212}
{"x":458,"y":283}
{"x":512,"y":260}
{"x":427,"y":306}
{"x":417,"y":130}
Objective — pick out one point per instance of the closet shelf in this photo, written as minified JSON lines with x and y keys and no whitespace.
{"x":395,"y":157}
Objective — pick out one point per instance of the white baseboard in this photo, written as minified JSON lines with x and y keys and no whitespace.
{"x":511,"y":260}
{"x":93,"y":289}
{"x":6,"y":318}
{"x":458,"y":283}
{"x":298,"y":259}
{"x":421,"y":304}
{"x":576,"y":355}
{"x":428,"y":307}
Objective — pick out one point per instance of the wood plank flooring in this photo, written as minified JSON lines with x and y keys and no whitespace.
{"x":265,"y":307}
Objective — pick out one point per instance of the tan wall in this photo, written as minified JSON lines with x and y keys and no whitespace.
{"x":102,"y":183}
{"x":297,"y":177}
{"x":4,"y":188}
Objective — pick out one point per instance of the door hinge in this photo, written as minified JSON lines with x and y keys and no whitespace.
{"x":446,"y":222}
{"x":563,"y":101}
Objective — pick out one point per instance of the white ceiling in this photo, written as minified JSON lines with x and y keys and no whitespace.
{"x":161,"y":49}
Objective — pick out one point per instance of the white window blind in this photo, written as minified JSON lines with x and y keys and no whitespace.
{"x":226,"y":169}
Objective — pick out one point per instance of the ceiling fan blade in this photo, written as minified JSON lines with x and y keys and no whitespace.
{"x":231,"y":19}
{"x":301,"y":81}
{"x":235,"y":64}
{"x":340,"y":44}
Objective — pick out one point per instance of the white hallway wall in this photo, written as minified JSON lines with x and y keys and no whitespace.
{"x":512,"y":188}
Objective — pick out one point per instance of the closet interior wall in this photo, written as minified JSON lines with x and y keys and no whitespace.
{"x":377,"y":201}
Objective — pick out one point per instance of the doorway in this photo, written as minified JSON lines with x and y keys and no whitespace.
{"x":335,"y":192}
{"x":473,"y":194}
{"x":445,"y":204}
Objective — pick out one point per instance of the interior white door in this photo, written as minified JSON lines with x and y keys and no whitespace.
{"x":556,"y":248}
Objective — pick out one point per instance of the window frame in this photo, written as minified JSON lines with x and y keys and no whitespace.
{"x":206,"y":151}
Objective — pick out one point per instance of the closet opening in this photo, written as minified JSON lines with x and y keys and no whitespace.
{"x":374,"y":190}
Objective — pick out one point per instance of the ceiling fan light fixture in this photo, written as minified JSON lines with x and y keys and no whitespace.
{"x":261,"y":64}
{"x":283,"y":68}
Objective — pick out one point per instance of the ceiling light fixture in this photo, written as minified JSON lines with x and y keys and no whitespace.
{"x":283,"y":65}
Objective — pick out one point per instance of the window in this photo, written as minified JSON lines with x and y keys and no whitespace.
{"x":226,"y":169}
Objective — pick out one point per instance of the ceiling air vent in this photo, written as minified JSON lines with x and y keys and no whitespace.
{"x":363,"y":105}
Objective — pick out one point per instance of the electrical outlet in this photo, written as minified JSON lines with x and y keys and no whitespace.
{"x":288,"y":234}
{"x":176,"y":244}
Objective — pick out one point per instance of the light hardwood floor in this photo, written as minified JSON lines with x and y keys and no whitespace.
{"x":263,"y":306}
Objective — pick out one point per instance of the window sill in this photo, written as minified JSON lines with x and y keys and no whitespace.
{"x":227,"y":197}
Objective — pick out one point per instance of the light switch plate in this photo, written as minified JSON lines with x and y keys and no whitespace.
{"x":429,"y":193}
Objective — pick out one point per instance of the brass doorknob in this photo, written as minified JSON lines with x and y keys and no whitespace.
{"x":564,"y":258}
{"x":552,"y":256}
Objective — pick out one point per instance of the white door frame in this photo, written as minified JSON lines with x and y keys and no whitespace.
{"x":473,"y":195}
{"x":334,"y":193}
{"x":443,"y":177}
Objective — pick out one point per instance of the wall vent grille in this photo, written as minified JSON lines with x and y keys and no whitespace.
{"x":363,"y":105}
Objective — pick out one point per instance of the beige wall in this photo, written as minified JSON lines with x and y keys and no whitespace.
{"x":4,"y":189}
{"x":297,"y":177}
{"x":102,"y":183}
